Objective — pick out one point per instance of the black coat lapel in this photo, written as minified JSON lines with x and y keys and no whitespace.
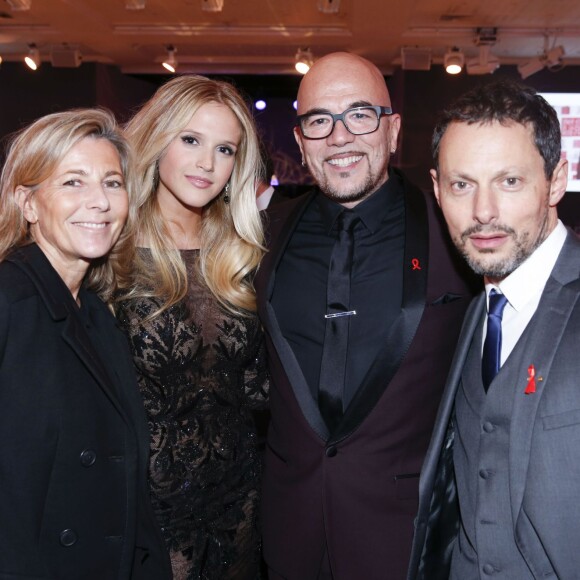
{"x":415,"y":271}
{"x":62,"y":307}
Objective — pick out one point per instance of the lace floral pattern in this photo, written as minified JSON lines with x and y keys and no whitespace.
{"x":201,"y":370}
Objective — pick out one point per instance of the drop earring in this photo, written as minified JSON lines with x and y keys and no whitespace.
{"x":226,"y":193}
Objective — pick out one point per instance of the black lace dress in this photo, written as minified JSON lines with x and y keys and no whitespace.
{"x":201,"y":370}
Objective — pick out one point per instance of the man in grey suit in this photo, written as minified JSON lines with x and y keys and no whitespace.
{"x":500,"y":486}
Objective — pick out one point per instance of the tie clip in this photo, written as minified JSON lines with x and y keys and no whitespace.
{"x":339,"y":314}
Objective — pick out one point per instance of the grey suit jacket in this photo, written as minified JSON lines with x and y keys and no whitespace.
{"x":544,"y":461}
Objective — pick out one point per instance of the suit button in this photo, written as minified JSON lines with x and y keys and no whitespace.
{"x":488,"y":427}
{"x":88,"y":457}
{"x":331,"y":451}
{"x":68,"y":538}
{"x":488,"y":569}
{"x":484,"y":474}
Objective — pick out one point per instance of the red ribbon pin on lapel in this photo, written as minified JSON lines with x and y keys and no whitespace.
{"x":415,"y":264}
{"x":531,"y":388}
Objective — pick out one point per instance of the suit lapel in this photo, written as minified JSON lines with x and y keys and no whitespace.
{"x":445,"y":412}
{"x":415,"y":272}
{"x":61,"y":307}
{"x":282,"y":221}
{"x":541,"y":340}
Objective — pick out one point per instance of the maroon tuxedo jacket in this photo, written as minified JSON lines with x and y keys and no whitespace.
{"x":356,"y":490}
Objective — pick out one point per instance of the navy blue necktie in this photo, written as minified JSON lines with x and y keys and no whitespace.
{"x":490,"y":362}
{"x":334,"y":352}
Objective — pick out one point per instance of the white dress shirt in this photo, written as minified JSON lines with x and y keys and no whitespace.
{"x":523,"y":289}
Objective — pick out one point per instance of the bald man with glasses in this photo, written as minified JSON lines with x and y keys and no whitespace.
{"x":362,"y":304}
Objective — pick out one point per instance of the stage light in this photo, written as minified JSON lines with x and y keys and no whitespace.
{"x":304,"y":60}
{"x":554,"y":57}
{"x":32,"y":59}
{"x":530,"y":68}
{"x":64,"y":57}
{"x":295,"y":105}
{"x":484,"y":64}
{"x":551,"y":59}
{"x":260,"y":104}
{"x":453,"y":61}
{"x":170,"y":63}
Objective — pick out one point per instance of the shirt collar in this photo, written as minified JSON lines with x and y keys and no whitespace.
{"x":372,"y":211}
{"x":529,"y":279}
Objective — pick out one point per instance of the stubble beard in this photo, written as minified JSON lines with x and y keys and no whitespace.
{"x":355,"y":193}
{"x":501,"y":268}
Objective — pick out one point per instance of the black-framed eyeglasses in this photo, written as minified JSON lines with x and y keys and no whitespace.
{"x":358,"y":121}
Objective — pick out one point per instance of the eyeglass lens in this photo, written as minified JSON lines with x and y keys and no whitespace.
{"x":358,"y":121}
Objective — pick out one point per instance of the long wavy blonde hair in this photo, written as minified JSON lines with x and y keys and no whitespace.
{"x":231,"y":234}
{"x":33,"y":156}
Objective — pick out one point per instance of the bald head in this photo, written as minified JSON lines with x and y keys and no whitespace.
{"x":347,"y":167}
{"x":341,"y":73}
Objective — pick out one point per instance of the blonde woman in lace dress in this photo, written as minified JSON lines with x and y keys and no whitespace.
{"x":188,"y":309}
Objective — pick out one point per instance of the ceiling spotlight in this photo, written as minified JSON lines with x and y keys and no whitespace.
{"x":65,"y":57}
{"x":551,"y":59}
{"x":19,"y":5}
{"x":260,"y":104}
{"x":32,"y":59}
{"x":212,"y":5}
{"x":304,"y":60}
{"x":170,"y":63}
{"x":453,"y":61}
{"x":484,"y":64}
{"x":531,"y":67}
{"x":554,"y":57}
{"x":135,"y":4}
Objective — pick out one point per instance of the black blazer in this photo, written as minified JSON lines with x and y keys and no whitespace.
{"x":354,"y":491}
{"x":74,"y":442}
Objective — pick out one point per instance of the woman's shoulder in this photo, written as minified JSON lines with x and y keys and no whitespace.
{"x":15,"y":284}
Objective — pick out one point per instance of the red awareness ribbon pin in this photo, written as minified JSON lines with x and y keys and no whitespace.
{"x":531,"y":388}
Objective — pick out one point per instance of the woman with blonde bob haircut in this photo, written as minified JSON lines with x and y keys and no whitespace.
{"x":34,"y":154}
{"x":188,"y":307}
{"x":75,"y":443}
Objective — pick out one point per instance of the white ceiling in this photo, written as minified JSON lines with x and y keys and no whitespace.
{"x":262,"y":36}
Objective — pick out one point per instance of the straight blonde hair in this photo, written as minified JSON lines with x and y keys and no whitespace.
{"x":231,"y":234}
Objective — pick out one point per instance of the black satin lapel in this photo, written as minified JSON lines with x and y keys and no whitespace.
{"x":387,"y":362}
{"x":282,"y":222}
{"x":308,"y":405}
